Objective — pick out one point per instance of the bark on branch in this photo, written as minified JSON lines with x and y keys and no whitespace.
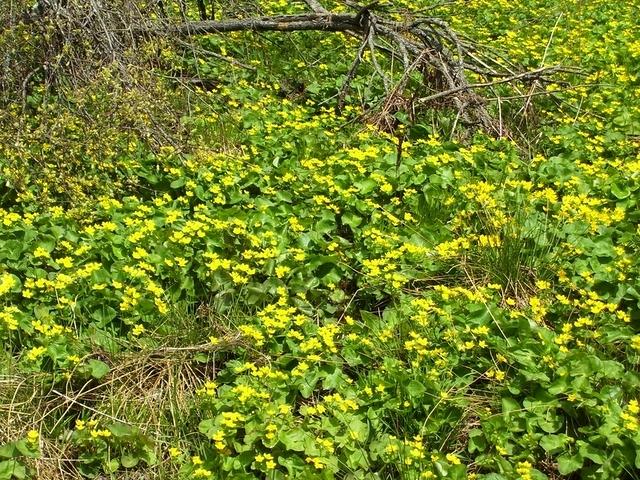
{"x":284,"y":23}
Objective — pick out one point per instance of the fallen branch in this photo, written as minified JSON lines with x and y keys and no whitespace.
{"x":352,"y":72}
{"x":528,"y":76}
{"x":316,"y":6}
{"x":433,"y":57}
{"x":331,"y":22}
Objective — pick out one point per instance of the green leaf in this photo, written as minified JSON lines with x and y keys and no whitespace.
{"x":550,"y":422}
{"x":104,"y":314}
{"x":458,"y":472}
{"x":509,"y":405}
{"x":283,"y":196}
{"x":371,"y":320}
{"x":19,"y":448}
{"x":357,"y":459}
{"x":293,"y":439}
{"x":121,"y":430}
{"x":27,"y":448}
{"x":308,"y":385}
{"x":561,"y":385}
{"x":325,"y":225}
{"x":201,"y":357}
{"x":366,"y":186}
{"x":13,"y":249}
{"x":351,"y":356}
{"x":359,"y":430}
{"x":332,"y":378}
{"x":187,"y":285}
{"x":553,"y":443}
{"x":12,"y":469}
{"x":592,"y":453}
{"x":148,"y":455}
{"x":112,"y":465}
{"x":98,"y":368}
{"x":569,"y":463}
{"x":415,"y":389}
{"x":351,"y":219}
{"x":208,"y":427}
{"x":477,"y":442}
{"x":129,"y":461}
{"x":8,"y":450}
{"x":178,"y":183}
{"x":100,"y":276}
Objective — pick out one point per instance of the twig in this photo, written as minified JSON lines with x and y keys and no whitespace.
{"x":352,"y":71}
{"x":529,"y":75}
{"x":230,"y":60}
{"x":84,"y":405}
{"x":316,"y":6}
{"x":376,"y":65}
{"x":527,"y":103}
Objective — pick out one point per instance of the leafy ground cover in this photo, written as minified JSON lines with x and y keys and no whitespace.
{"x":282,"y":296}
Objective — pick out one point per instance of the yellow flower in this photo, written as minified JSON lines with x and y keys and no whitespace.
{"x":231,"y":419}
{"x":452,"y":459}
{"x":6,"y":283}
{"x":282,"y":270}
{"x":317,"y":462}
{"x":66,"y":262}
{"x":33,"y":436}
{"x":139,"y":253}
{"x":271,"y":432}
{"x":284,"y":409}
{"x":209,"y":389}
{"x":100,"y":433}
{"x":201,"y":473}
{"x":138,"y":330}
{"x":35,"y":353}
{"x":41,"y":253}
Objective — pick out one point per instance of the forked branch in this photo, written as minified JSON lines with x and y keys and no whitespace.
{"x":428,"y":46}
{"x":434,"y":59}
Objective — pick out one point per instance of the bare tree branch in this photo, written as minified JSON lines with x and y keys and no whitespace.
{"x":282,"y":23}
{"x":435,"y":59}
{"x":529,"y":75}
{"x":352,"y":72}
{"x":316,"y":6}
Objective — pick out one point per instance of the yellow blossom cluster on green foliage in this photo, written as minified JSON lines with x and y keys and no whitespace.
{"x":467,"y":311}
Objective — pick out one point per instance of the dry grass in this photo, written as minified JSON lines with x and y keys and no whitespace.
{"x":152,"y":389}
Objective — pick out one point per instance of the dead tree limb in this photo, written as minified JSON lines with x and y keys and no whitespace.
{"x":427,"y":45}
{"x":435,"y":59}
{"x":352,"y":72}
{"x":531,"y":75}
{"x":280,"y":23}
{"x":316,"y":6}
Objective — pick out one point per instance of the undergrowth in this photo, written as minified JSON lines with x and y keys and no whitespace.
{"x":234,"y":280}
